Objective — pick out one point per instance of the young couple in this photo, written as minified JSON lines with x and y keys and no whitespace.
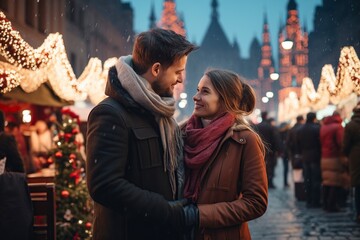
{"x":150,"y":178}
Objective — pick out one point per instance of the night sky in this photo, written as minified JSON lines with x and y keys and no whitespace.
{"x":240,"y":19}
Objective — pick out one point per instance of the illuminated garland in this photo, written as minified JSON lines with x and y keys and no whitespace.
{"x":30,"y":68}
{"x":9,"y":79}
{"x":332,"y":89}
{"x":49,"y":62}
{"x":17,"y":51}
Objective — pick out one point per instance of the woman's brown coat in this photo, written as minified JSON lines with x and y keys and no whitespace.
{"x":234,"y":189}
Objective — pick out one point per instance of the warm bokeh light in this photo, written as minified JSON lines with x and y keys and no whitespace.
{"x":287,"y":44}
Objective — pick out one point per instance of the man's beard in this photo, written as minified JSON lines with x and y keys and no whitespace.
{"x":161,"y":91}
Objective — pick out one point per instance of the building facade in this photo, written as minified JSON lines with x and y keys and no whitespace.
{"x":89,"y":28}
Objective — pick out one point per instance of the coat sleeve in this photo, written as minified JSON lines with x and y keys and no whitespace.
{"x":346,"y":146}
{"x":253,"y":199}
{"x":107,"y":159}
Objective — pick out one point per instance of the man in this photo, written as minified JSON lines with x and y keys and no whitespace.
{"x":292,"y":145}
{"x":134,"y":144}
{"x":308,"y":138}
{"x":271,"y":137}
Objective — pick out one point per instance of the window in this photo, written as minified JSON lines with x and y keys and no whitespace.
{"x":42,"y":16}
{"x":30,"y":14}
{"x":71,"y":11}
{"x":4,"y":5}
{"x":73,"y":61}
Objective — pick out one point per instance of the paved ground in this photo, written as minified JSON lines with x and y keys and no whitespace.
{"x":287,"y":218}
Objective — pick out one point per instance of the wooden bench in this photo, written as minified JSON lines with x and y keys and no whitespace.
{"x":43,"y":200}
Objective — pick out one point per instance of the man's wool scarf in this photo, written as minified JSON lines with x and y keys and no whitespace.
{"x":163,"y":108}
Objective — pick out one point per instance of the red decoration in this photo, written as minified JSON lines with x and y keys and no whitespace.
{"x":58,"y":154}
{"x":50,"y":160}
{"x":76,"y":175}
{"x":68,"y":136}
{"x":88,"y":225}
{"x":67,"y":111}
{"x":65,"y":194}
{"x":75,"y":131}
{"x":72,"y":156}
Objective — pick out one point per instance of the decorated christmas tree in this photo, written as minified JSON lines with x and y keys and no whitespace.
{"x":73,"y":204}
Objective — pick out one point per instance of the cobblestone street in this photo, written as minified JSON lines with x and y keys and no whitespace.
{"x":288,"y":218}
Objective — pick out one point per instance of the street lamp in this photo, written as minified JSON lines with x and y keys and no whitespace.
{"x":269,"y":94}
{"x":274,"y":76}
{"x":287,"y":44}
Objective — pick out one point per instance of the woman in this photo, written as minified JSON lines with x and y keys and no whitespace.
{"x":224,"y":158}
{"x":333,"y":165}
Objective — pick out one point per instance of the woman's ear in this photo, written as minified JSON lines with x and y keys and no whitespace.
{"x":155,"y":69}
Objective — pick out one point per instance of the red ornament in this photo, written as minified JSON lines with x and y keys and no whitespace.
{"x":68,"y":136}
{"x":75,"y":131}
{"x":72,"y":156}
{"x":88,"y":225}
{"x":65,"y":194}
{"x":50,"y":160}
{"x":76,"y":175}
{"x":58,"y":154}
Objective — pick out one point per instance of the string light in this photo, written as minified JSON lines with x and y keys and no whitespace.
{"x":332,"y":89}
{"x":30,"y":67}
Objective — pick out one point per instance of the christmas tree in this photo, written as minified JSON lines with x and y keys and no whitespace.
{"x":73,"y":204}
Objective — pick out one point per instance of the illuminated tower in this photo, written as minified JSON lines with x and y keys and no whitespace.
{"x":152,"y":17}
{"x":293,"y":65}
{"x":169,"y":18}
{"x":266,"y":98}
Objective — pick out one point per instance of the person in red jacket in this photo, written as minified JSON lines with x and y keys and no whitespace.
{"x":332,"y":169}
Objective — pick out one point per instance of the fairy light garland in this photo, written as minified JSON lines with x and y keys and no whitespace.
{"x":50,"y":62}
{"x":332,"y":89}
{"x":16,"y":50}
{"x":9,"y":79}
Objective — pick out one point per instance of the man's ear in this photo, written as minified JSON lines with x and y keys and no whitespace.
{"x":155,"y":69}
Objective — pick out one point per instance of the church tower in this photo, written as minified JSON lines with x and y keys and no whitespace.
{"x":169,"y":18}
{"x":152,"y":17}
{"x":293,"y":65}
{"x":266,"y":94}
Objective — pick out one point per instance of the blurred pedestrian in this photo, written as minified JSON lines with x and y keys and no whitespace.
{"x":284,"y":130}
{"x":40,"y":145}
{"x":292,"y":145}
{"x":14,"y":130}
{"x":271,"y":137}
{"x":308,"y":138}
{"x":9,"y":151}
{"x":224,"y":158}
{"x":351,"y":148}
{"x":332,"y":168}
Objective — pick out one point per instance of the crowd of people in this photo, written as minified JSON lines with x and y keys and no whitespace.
{"x":326,"y":150}
{"x":152,"y":178}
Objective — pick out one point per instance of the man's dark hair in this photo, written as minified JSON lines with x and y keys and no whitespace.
{"x":159,"y":45}
{"x":299,"y":118}
{"x":310,"y":117}
{"x":264,"y":115}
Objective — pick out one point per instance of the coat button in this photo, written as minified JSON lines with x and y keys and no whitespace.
{"x":241,"y":139}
